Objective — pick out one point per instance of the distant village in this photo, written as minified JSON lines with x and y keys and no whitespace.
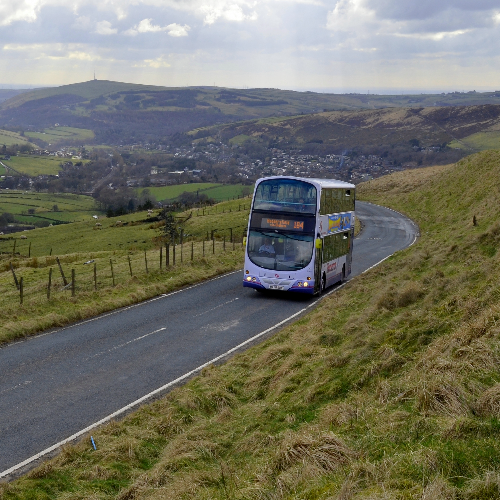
{"x":149,"y":164}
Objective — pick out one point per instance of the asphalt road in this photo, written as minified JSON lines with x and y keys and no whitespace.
{"x":56,"y":384}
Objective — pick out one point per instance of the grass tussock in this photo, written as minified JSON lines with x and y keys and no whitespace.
{"x":388,"y":390}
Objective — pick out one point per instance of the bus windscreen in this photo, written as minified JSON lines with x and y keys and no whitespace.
{"x":286,"y":195}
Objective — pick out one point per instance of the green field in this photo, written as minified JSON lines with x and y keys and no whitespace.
{"x":218,"y":192}
{"x":479,"y":142}
{"x":9,"y":138}
{"x":172,"y":192}
{"x":37,"y":165}
{"x":70,"y":207}
{"x":239,"y":139}
{"x":227,"y":192}
{"x":59,"y":134}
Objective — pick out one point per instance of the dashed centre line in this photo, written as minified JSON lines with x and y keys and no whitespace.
{"x":126,"y":343}
{"x":216,"y":307}
{"x":18,"y":386}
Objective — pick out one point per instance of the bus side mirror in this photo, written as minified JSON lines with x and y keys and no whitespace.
{"x":245,"y":241}
{"x":319,"y":243}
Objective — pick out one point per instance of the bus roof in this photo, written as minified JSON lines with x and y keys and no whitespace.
{"x":323,"y":183}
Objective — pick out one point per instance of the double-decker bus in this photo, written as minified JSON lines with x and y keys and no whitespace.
{"x":300,"y":234}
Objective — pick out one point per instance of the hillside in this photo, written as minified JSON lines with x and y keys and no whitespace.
{"x":389,"y":389}
{"x":419,"y":135}
{"x":120,"y":113}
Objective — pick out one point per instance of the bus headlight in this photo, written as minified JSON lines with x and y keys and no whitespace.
{"x":306,"y":284}
{"x":299,"y":283}
{"x":249,"y":278}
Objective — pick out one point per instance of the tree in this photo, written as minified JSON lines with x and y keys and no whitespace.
{"x":171,"y":228}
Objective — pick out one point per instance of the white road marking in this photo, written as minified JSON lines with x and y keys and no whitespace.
{"x":216,"y":307}
{"x":221,"y":327}
{"x":126,"y":343}
{"x":18,"y":386}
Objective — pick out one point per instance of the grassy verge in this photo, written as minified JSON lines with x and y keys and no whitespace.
{"x":390,"y":389}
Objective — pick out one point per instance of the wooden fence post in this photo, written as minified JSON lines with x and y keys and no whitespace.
{"x":14,"y":274}
{"x":72,"y":282}
{"x":167,"y":249}
{"x":65,"y":281}
{"x":224,"y":243}
{"x":161,"y":258}
{"x":21,"y":290}
{"x":49,"y":284}
{"x":95,"y":276}
{"x":50,"y":252}
{"x":146,"y":261}
{"x":129,"y":265}
{"x":112,"y":272}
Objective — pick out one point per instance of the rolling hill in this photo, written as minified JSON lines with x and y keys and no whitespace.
{"x":126,"y":113}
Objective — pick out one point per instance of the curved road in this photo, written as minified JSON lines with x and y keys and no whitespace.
{"x":58,"y":384}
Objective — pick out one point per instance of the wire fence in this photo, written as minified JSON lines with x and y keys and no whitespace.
{"x":34,"y":280}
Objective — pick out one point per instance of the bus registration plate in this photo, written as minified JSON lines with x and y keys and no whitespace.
{"x":275,"y":287}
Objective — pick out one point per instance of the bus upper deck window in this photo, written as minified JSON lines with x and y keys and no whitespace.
{"x":348,"y":192}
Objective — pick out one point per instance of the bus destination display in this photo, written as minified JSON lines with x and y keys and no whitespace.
{"x":285,"y":224}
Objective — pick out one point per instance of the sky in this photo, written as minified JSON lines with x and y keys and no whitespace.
{"x":332,"y":46}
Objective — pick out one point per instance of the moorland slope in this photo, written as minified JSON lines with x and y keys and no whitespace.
{"x":389,"y":389}
{"x":374,"y":130}
{"x":124,"y":113}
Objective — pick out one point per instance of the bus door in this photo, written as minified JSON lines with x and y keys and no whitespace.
{"x":318,"y":261}
{"x":349,"y":252}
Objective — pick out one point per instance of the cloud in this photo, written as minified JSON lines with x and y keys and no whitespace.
{"x":362,"y":20}
{"x":229,"y":11}
{"x":433,"y":36}
{"x":104,"y":28}
{"x":15,"y":10}
{"x":177,"y":30}
{"x":146,"y":26}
